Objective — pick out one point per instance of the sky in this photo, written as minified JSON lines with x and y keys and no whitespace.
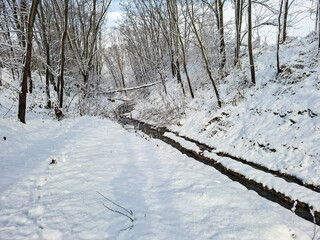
{"x":301,"y":28}
{"x":114,"y":14}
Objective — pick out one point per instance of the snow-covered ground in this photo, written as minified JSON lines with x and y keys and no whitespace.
{"x":171,"y":196}
{"x":275,"y":123}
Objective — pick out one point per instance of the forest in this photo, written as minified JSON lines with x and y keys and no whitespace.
{"x":159,"y":119}
{"x":68,"y":44}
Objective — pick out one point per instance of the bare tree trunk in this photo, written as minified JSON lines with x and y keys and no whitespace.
{"x":30,"y":81}
{"x":171,"y":39}
{"x":185,"y":65}
{"x":179,"y":77}
{"x":285,"y":18}
{"x":123,"y":82}
{"x":1,"y":74}
{"x":173,"y":66}
{"x":174,"y":38}
{"x":318,"y":24}
{"x":253,"y":75}
{"x":221,"y":33}
{"x":217,"y":8}
{"x":177,"y":65}
{"x":64,"y":35}
{"x":23,"y":19}
{"x":26,"y":69}
{"x":24,"y":26}
{"x":278,"y":37}
{"x":21,"y":26}
{"x":47,"y":49}
{"x":203,"y":51}
{"x":174,"y":14}
{"x":85,"y":76}
{"x":238,"y":23}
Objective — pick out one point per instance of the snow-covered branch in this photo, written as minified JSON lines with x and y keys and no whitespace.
{"x":129,"y":89}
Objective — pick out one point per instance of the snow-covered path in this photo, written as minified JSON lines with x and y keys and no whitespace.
{"x":171,"y":195}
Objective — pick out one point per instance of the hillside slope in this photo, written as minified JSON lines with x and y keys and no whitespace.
{"x":275,"y":123}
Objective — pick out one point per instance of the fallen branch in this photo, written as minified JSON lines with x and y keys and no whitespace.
{"x":128,"y":211}
{"x":118,"y":212}
{"x":128,"y":228}
{"x":129,"y":89}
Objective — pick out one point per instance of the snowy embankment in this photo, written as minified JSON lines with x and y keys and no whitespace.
{"x":275,"y":124}
{"x":285,"y":190}
{"x":171,"y":196}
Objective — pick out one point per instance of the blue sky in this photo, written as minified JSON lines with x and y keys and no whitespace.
{"x":114,"y":13}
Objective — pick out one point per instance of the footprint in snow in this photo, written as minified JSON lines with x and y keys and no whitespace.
{"x":42,"y":181}
{"x":51,"y":234}
{"x":36,"y":212}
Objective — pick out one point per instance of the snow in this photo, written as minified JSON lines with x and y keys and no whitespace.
{"x":171,"y":196}
{"x":56,"y":177}
{"x":291,"y":190}
{"x":36,"y":212}
{"x":184,"y":143}
{"x":275,"y":123}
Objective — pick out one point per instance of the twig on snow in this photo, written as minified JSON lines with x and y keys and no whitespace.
{"x":128,"y":211}
{"x":128,"y":228}
{"x":112,"y":210}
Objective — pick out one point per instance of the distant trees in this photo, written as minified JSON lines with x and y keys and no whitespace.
{"x":86,"y":21}
{"x":177,"y":36}
{"x":66,"y":34}
{"x":168,"y":26}
{"x":190,"y":11}
{"x":217,"y":7}
{"x":146,"y":40}
{"x":282,"y":27}
{"x":45,"y":28}
{"x":115,"y":62}
{"x":12,"y":36}
{"x":238,"y":7}
{"x":156,"y":39}
{"x":64,"y":23}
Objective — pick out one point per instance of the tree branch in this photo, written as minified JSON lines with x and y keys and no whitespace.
{"x":129,"y":89}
